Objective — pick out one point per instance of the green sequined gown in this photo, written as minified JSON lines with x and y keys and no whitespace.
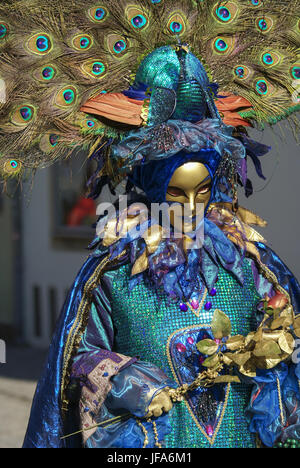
{"x":161,"y":333}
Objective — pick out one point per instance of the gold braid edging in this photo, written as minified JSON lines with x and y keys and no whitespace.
{"x":79,"y":326}
{"x":270,"y":276}
{"x":280,"y":402}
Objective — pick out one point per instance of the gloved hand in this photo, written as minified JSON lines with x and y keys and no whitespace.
{"x":160,"y":403}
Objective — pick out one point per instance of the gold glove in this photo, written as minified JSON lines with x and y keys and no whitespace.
{"x":160,"y":403}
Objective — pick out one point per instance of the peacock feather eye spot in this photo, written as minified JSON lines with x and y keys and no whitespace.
{"x":14,"y":164}
{"x":155,"y":2}
{"x":271,"y":59}
{"x":119,"y":47}
{"x":295,"y":72}
{"x":23,"y":115}
{"x":117,"y":44}
{"x":136,"y":17}
{"x":66,"y":96}
{"x":49,"y":141}
{"x":94,"y":69}
{"x":261,"y":87}
{"x":53,"y":139}
{"x":221,"y":45}
{"x":268,"y":59}
{"x":26,"y":113}
{"x":42,"y":43}
{"x":97,"y":14}
{"x":90,"y":123}
{"x":264,"y":24}
{"x":84,"y":42}
{"x":39,"y":44}
{"x":3,"y":30}
{"x":100,"y":14}
{"x":69,"y":96}
{"x":12,"y":167}
{"x":240,"y":72}
{"x":48,"y":73}
{"x":176,"y":27}
{"x":139,"y":21}
{"x":98,"y":68}
{"x":256,"y":3}
{"x":176,"y":24}
{"x":223,"y":13}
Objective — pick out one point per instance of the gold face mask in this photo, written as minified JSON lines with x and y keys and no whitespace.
{"x":190,"y":184}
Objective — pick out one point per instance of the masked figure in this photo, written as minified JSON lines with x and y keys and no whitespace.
{"x":180,"y":328}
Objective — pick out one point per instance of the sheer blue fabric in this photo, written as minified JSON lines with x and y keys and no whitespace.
{"x":274,"y":410}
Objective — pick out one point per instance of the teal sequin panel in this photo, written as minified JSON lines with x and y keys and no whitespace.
{"x":144,"y":321}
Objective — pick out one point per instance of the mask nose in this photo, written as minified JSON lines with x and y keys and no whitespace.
{"x":192,"y":202}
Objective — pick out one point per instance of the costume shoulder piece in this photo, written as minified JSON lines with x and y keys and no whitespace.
{"x":66,"y":67}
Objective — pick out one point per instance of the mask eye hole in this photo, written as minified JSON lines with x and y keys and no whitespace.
{"x":205,"y":189}
{"x":176,"y":192}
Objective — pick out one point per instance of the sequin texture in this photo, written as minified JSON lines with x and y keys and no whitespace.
{"x":144,"y":322}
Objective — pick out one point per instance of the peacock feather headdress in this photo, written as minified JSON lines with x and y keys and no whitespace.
{"x":95,"y":75}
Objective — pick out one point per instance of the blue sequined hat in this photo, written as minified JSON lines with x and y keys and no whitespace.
{"x":179,"y":85}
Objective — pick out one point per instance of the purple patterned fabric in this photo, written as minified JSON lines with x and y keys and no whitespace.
{"x":89,"y":361}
